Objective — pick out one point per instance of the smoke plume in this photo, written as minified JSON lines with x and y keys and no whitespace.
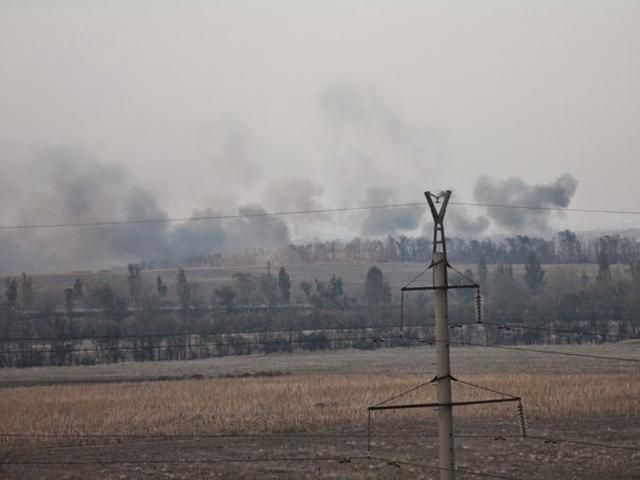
{"x":261,"y":231}
{"x":515,"y":191}
{"x":370,"y":134}
{"x":462,"y":224}
{"x":388,"y":221}
{"x":71,"y":187}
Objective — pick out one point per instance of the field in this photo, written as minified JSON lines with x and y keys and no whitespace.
{"x":305,"y":416}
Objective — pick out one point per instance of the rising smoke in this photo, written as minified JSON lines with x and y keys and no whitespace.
{"x":389,"y":221}
{"x":462,"y":224}
{"x":515,"y":191}
{"x":373,"y":137}
{"x":288,"y":195}
{"x":71,"y":187}
{"x":68,"y":186}
{"x":358,"y":108}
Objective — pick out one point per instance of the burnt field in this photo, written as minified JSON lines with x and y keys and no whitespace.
{"x":305,"y":416}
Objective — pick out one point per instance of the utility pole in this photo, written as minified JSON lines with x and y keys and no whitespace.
{"x":443,"y":369}
{"x":443,"y":378}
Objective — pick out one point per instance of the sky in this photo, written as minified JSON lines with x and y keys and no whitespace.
{"x":199,"y":106}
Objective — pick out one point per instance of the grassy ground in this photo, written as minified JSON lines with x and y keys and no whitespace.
{"x":296,"y":403}
{"x":568,"y":398}
{"x":415,"y":360}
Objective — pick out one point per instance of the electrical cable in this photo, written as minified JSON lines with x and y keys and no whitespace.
{"x":300,"y":212}
{"x":205,"y":217}
{"x":209,"y":334}
{"x":231,"y":436}
{"x":143,"y":348}
{"x":302,"y":435}
{"x":584,"y":443}
{"x":507,"y":326}
{"x":544,"y":352}
{"x":478,"y":473}
{"x":187,"y":461}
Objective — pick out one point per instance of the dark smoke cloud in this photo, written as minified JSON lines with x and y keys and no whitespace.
{"x":205,"y":237}
{"x":514,"y":191}
{"x":201,"y":237}
{"x":68,"y":186}
{"x":294,"y":195}
{"x":149,"y":240}
{"x":255,"y":232}
{"x":460,"y":223}
{"x":388,"y":221}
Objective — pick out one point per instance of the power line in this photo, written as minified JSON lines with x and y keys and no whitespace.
{"x":226,"y":436}
{"x":229,"y":436}
{"x":514,"y":326}
{"x":209,"y":334}
{"x":205,"y":217}
{"x":517,"y":348}
{"x":477,"y":473}
{"x":343,"y":459}
{"x":329,"y":330}
{"x":308,"y":331}
{"x":549,"y":209}
{"x":104,"y":223}
{"x":107,"y":349}
{"x":286,"y":341}
{"x":303,"y":435}
{"x":301,"y":459}
{"x":584,"y":443}
{"x":545,"y":352}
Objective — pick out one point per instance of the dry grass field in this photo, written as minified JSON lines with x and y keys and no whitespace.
{"x":297,"y":403}
{"x":234,"y":417}
{"x":391,"y":361}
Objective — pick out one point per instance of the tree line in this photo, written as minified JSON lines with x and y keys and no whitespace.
{"x":145,"y":321}
{"x":187,"y":325}
{"x":566,"y":247}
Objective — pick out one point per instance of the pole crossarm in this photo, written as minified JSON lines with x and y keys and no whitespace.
{"x":408,"y":288}
{"x":449,"y":287}
{"x":450,"y":404}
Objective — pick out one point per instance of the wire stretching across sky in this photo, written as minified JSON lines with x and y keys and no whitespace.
{"x":104,"y":223}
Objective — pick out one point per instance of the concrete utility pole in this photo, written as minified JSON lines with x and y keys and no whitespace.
{"x":443,"y":379}
{"x":443,"y":369}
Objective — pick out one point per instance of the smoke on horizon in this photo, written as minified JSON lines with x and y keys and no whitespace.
{"x":71,"y":187}
{"x":515,"y":191}
{"x":392,"y":221}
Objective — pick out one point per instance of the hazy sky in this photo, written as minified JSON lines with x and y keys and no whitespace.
{"x":293,"y":104}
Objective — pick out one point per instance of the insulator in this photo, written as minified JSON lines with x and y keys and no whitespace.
{"x":401,"y":310}
{"x":479,"y":303}
{"x":522,"y":419}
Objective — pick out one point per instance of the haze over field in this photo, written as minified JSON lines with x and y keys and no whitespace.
{"x":115,"y":110}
